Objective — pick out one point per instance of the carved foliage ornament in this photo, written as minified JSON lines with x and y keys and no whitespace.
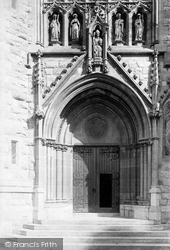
{"x":111,"y":152}
{"x":82,"y":152}
{"x":94,"y":8}
{"x":54,"y":144}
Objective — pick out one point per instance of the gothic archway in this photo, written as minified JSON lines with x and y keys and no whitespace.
{"x":120,"y":119}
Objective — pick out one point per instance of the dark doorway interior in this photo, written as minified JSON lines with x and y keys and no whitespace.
{"x":105,"y":190}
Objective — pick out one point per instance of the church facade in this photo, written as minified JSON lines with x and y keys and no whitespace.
{"x":85,"y":110}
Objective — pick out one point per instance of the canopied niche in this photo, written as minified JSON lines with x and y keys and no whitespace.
{"x":139,"y":27}
{"x":55,"y":28}
{"x":97,"y":45}
{"x":119,"y":27}
{"x":75,"y":29}
{"x":129,"y":24}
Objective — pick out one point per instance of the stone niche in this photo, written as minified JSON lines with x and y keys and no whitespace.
{"x":139,"y":28}
{"x":75,"y":31}
{"x":55,"y":29}
{"x":119,"y":24}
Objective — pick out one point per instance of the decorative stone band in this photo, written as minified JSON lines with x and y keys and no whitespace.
{"x":111,"y":152}
{"x":145,"y":141}
{"x":54,"y":144}
{"x":141,"y":143}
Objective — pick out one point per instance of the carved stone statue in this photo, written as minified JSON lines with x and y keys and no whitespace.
{"x":119,"y":28}
{"x":97,"y":44}
{"x":55,"y":28}
{"x":75,"y":28}
{"x":139,"y":28}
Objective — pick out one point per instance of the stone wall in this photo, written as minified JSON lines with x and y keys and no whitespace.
{"x":164,"y":182}
{"x":164,"y":167}
{"x":53,"y":67}
{"x":16,"y":115}
{"x":164,"y":22}
{"x":140,"y":66}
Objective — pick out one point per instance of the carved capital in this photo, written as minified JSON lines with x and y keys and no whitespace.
{"x":39,"y":54}
{"x":39,"y":114}
{"x":155,"y":114}
{"x":52,"y":143}
{"x":145,"y":141}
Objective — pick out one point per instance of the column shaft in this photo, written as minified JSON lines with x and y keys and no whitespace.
{"x":59,"y":175}
{"x":65,"y":29}
{"x":141,"y":174}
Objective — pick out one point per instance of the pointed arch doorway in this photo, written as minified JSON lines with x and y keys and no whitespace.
{"x":99,"y":115}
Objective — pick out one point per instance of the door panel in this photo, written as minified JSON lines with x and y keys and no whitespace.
{"x":84,"y":179}
{"x":108,"y":162}
{"x":91,"y":168}
{"x":106,"y":190}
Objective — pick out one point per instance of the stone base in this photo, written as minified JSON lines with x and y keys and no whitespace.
{"x":58,"y":210}
{"x":139,"y":43}
{"x":134,"y":211}
{"x":119,"y":43}
{"x":55,"y":43}
{"x":155,"y":214}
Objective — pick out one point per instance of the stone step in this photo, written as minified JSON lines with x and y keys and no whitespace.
{"x":99,"y":233}
{"x":99,"y":221}
{"x":69,"y":228}
{"x":116,"y":240}
{"x":117,"y":247}
{"x":102,"y":233}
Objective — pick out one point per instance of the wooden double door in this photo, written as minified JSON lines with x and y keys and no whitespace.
{"x":96,"y":179}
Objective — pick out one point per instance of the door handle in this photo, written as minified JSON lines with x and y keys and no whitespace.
{"x":93,"y":190}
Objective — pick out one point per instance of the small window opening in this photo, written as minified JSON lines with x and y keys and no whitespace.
{"x":14,"y":152}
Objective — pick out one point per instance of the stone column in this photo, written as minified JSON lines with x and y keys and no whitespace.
{"x":129,"y":28}
{"x":84,"y":33}
{"x":59,"y":174}
{"x":149,"y":167}
{"x":48,"y":184}
{"x":154,"y":211}
{"x":138,"y":172}
{"x":65,"y":29}
{"x":105,"y":66}
{"x":128,"y":174}
{"x":133,"y":175}
{"x":41,"y":23}
{"x":38,"y":2}
{"x":141,"y":174}
{"x":145,"y":174}
{"x":46,"y":29}
{"x":109,"y":37}
{"x":66,"y":171}
{"x":39,"y":164}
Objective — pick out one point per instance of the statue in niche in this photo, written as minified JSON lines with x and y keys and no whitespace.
{"x":55,"y":28}
{"x":139,"y":28}
{"x":75,"y":28}
{"x":119,"y":28}
{"x":97,"y":44}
